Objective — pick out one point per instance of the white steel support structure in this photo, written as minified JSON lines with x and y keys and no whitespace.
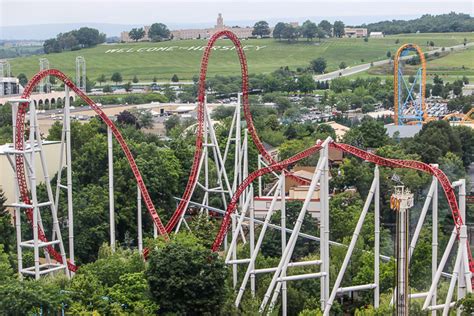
{"x":280,"y":278}
{"x":45,"y":84}
{"x":111,"y":188}
{"x":5,"y":71}
{"x":246,"y":199}
{"x":374,"y":194}
{"x":210,"y":147}
{"x":461,"y":273}
{"x":31,"y":152}
{"x":139,"y":220}
{"x":279,"y":275}
{"x":81,"y":73}
{"x":65,"y":152}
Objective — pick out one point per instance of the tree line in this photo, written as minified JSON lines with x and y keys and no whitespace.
{"x":158,"y":32}
{"x":451,"y":22}
{"x":309,"y":30}
{"x":74,"y":40}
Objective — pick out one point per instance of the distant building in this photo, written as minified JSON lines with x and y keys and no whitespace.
{"x":355,"y":32}
{"x":340,"y":129}
{"x":468,"y":89}
{"x":183,"y":34}
{"x":9,"y":86}
{"x":376,"y":34}
{"x":51,"y":150}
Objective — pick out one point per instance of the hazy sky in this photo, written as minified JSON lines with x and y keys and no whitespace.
{"x":185,"y":12}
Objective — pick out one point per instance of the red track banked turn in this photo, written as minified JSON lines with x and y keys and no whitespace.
{"x":367,"y":156}
{"x":20,"y":165}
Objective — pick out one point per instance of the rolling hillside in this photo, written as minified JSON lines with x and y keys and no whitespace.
{"x":147,"y":60}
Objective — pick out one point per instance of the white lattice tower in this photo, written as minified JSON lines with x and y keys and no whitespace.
{"x":32,"y":152}
{"x":81,"y":73}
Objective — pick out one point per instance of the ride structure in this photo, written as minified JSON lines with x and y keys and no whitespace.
{"x":409,"y":98}
{"x":237,"y":199}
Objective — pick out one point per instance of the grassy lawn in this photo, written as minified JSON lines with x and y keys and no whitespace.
{"x":184,"y":61}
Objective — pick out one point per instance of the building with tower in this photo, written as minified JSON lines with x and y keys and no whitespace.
{"x":184,"y":34}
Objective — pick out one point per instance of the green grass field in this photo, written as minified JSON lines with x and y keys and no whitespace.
{"x":185,"y":62}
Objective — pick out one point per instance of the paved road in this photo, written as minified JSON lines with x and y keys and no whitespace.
{"x":360,"y":68}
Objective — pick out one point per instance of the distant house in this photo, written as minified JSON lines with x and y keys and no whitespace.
{"x":355,"y":32}
{"x":340,"y":129}
{"x":376,"y":35}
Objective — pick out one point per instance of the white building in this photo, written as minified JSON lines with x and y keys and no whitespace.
{"x":376,"y":35}
{"x":355,"y":32}
{"x":7,"y":183}
{"x":9,"y":86}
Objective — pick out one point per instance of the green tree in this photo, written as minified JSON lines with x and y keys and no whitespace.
{"x":466,"y":138}
{"x":22,"y":79}
{"x":338,"y":29}
{"x":7,"y":231}
{"x":306,"y":83}
{"x":107,"y":89}
{"x":136,"y":34}
{"x":6,"y":271}
{"x":175,"y":78}
{"x":278,"y":30}
{"x":135,"y":79}
{"x":261,"y":29}
{"x":89,"y":85}
{"x":308,"y":102}
{"x":320,"y":33}
{"x":318,"y":65}
{"x":290,"y":32}
{"x":326,"y":26}
{"x":88,"y":37}
{"x":132,"y":293}
{"x":144,"y":118}
{"x":128,"y":86}
{"x":433,"y":141}
{"x":116,"y":77}
{"x":101,"y":79}
{"x":271,"y":245}
{"x":185,"y":277}
{"x":309,"y":30}
{"x":282,"y":104}
{"x":159,"y":32}
{"x":369,"y":134}
{"x":222,"y":112}
{"x":467,"y":303}
{"x":171,"y":122}
{"x":342,"y":65}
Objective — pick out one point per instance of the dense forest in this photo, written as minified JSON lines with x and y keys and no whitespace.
{"x":451,"y":22}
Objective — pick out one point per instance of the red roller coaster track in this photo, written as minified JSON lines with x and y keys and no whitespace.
{"x":20,"y":164}
{"x":273,"y":165}
{"x":367,"y":156}
{"x":193,"y":177}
